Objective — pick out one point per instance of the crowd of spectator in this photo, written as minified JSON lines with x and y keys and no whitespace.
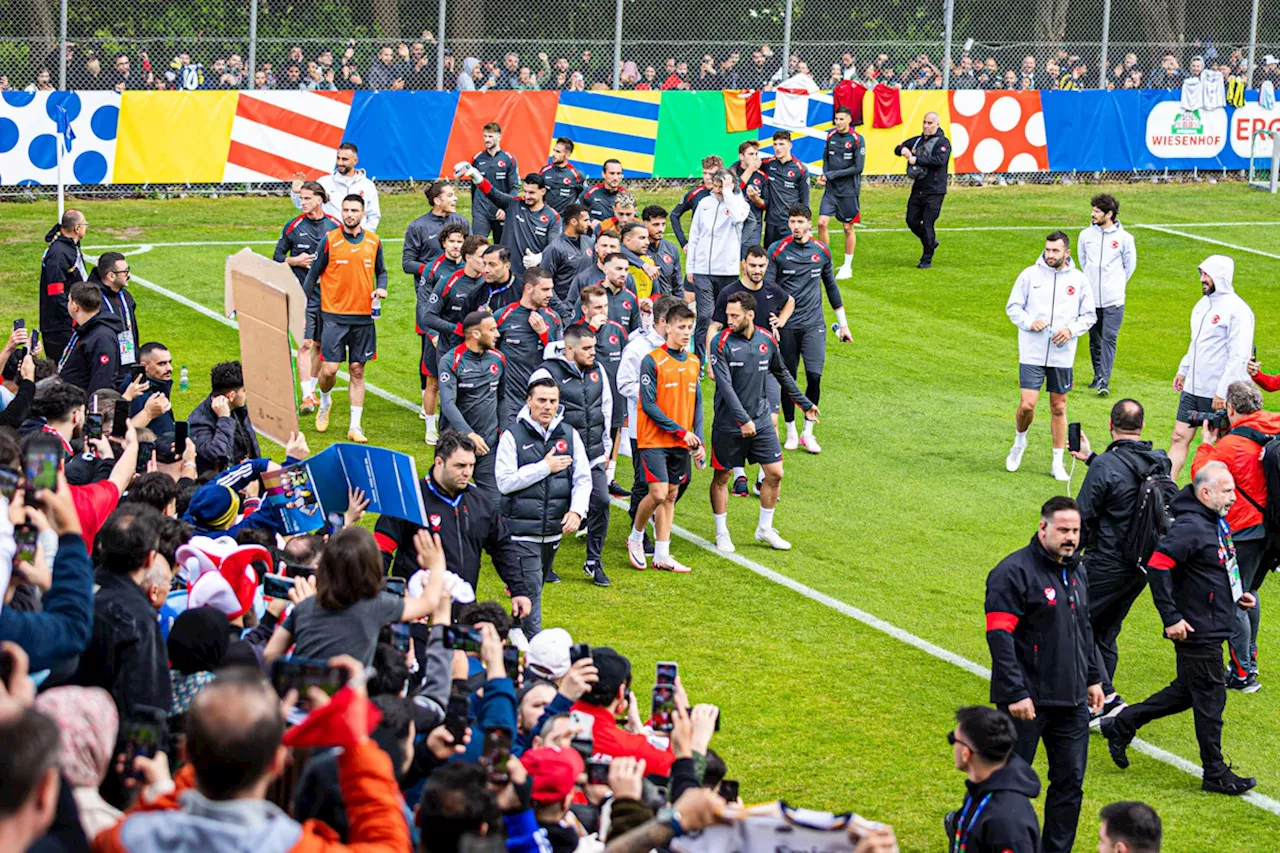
{"x":412,"y":65}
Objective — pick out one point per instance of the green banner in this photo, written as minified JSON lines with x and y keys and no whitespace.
{"x":691,"y":126}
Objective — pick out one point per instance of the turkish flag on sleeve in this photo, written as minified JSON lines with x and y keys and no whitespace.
{"x":888,"y":107}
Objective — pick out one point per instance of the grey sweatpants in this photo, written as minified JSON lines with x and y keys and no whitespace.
{"x":1102,"y":343}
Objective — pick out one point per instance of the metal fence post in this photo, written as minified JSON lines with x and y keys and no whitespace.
{"x":948,"y":14}
{"x":440,"y":45}
{"x":786,"y":43}
{"x":617,"y":45}
{"x":1106,"y":37}
{"x":62,"y":43}
{"x":1253,"y":44}
{"x":253,"y":44}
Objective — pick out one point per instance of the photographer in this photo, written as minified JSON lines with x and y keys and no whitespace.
{"x":1240,"y":449}
{"x":1109,"y":499}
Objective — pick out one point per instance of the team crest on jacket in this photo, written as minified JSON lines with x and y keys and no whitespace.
{"x":545,"y":217}
{"x":1115,"y":244}
{"x":1215,"y":319}
{"x":626,"y":303}
{"x":104,"y":358}
{"x":593,"y":376}
{"x":493,"y":368}
{"x":613,"y":340}
{"x":791,"y":173}
{"x":1051,"y":594}
{"x":502,"y":164}
{"x":814,"y":257}
{"x":666,"y":259}
{"x":562,"y":446}
{"x":1071,"y":290}
{"x":568,"y":181}
{"x":435,"y":520}
{"x":848,"y":145}
{"x":764,"y":348}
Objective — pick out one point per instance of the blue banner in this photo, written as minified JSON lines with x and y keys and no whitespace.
{"x":308,"y":493}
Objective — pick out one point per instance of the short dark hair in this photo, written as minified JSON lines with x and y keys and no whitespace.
{"x":605,"y":166}
{"x":127,"y":536}
{"x":155,"y":489}
{"x":1107,"y":203}
{"x":1059,"y":237}
{"x":781,"y":134}
{"x":757,"y":252}
{"x":317,"y":188}
{"x":435,"y":189}
{"x":451,"y":441}
{"x":491,"y":127}
{"x":654,"y":211}
{"x":106,"y":261}
{"x":450,"y":229}
{"x":86,"y":295}
{"x":542,"y":382}
{"x":397,"y":716}
{"x":10,"y":448}
{"x":304,"y":551}
{"x":474,"y":319}
{"x":589,"y":292}
{"x":390,"y":674}
{"x":228,"y":752}
{"x":472,"y":244}
{"x":1127,"y":415}
{"x":989,"y":732}
{"x":455,"y":802}
{"x":663,"y":305}
{"x":226,"y":376}
{"x":1057,"y":504}
{"x":616,"y":256}
{"x":799,"y":210}
{"x":1134,"y":823}
{"x":350,"y":569}
{"x":150,"y":347}
{"x":32,"y":744}
{"x":628,"y":227}
{"x":174,"y":533}
{"x":56,"y":402}
{"x":679,"y":312}
{"x":354,"y":197}
{"x":533,"y":275}
{"x":536,"y":179}
{"x":746,"y":300}
{"x":573,"y":211}
{"x":566,"y":142}
{"x":486,"y":611}
{"x":503,"y":253}
{"x":844,"y":110}
{"x":350,"y":146}
{"x":747,"y":145}
{"x":576,"y":332}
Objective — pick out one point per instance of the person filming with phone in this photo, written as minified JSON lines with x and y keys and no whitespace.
{"x":1240,"y":447}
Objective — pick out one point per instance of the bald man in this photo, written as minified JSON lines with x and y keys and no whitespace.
{"x":927,"y":156}
{"x":61,"y":267}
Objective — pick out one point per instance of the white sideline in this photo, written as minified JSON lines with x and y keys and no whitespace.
{"x":1164,"y":229}
{"x":1254,"y":798}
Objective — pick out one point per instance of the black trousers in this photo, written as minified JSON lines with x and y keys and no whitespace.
{"x":1201,"y":686}
{"x":1065,"y":732}
{"x":922,"y":213}
{"x":1112,"y":591}
{"x":597,"y":519}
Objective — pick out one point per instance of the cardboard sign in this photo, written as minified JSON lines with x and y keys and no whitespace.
{"x":263,"y":310}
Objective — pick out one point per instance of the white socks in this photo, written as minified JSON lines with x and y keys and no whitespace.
{"x":356,"y":412}
{"x":1057,"y":457}
{"x":760,"y":476}
{"x":309,"y":387}
{"x":722,"y":523}
{"x":739,"y":471}
{"x":661,"y":551}
{"x":791,"y":430}
{"x":808,"y":428}
{"x":1019,"y":439}
{"x":636,"y":535}
{"x":431,"y":421}
{"x":766,"y":519}
{"x":325,"y":399}
{"x":610,"y":469}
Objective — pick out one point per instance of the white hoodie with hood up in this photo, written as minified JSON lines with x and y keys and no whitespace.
{"x":1221,"y":335}
{"x":1063,"y":299}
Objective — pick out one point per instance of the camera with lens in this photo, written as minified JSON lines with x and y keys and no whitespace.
{"x":1217,"y":419}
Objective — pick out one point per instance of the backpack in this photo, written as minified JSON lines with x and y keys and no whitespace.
{"x":1151,"y":517}
{"x":1271,"y":476}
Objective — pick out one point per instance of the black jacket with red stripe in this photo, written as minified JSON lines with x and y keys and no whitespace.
{"x":1038,"y":629}
{"x":1188,"y":573}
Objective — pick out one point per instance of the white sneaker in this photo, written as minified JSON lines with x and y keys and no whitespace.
{"x":845,"y":271}
{"x":724,"y":543}
{"x":793,"y":441}
{"x":1059,"y":473}
{"x":433,"y":435}
{"x":773,"y":539}
{"x":810,"y":444}
{"x":635,"y":553}
{"x":1014,"y":460}
{"x":581,"y":533}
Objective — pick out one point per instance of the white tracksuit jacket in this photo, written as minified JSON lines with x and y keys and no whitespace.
{"x":715,"y":235}
{"x":338,"y":187}
{"x":1108,"y":259}
{"x":1221,"y":335}
{"x":1061,"y":298}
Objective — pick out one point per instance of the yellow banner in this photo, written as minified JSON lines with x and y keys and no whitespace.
{"x":881,"y":143}
{"x":174,"y":137}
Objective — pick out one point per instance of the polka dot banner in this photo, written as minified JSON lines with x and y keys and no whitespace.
{"x":29,"y":137}
{"x":998,"y":132}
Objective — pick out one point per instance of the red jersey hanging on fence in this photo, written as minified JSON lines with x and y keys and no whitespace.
{"x":849,"y":94}
{"x":888,"y":107}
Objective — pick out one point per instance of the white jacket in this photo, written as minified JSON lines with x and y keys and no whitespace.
{"x":338,"y":187}
{"x":1108,"y":259}
{"x":715,"y":235}
{"x":1221,"y":335}
{"x":1061,"y":298}
{"x":628,"y":377}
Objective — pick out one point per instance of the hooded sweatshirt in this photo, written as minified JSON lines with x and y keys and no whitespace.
{"x":1063,"y":299}
{"x":1108,"y":259}
{"x":92,"y":358}
{"x":1221,"y":335}
{"x":997,"y":815}
{"x":338,"y":186}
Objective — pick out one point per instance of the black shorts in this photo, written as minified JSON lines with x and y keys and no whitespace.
{"x":1056,"y":380}
{"x":1188,"y":403}
{"x":341,"y":343}
{"x":314,"y":325}
{"x":665,"y":465}
{"x":773,"y":393}
{"x":843,"y":208}
{"x":799,"y":343}
{"x":733,"y":450}
{"x":430,"y":365}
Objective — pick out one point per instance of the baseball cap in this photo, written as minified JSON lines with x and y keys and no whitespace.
{"x":555,"y":772}
{"x":614,"y":670}
{"x":548,"y":654}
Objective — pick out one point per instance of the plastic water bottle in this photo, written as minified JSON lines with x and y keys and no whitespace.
{"x":377,"y":307}
{"x":184,"y":379}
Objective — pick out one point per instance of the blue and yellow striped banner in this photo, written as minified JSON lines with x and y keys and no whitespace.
{"x":622,"y":126}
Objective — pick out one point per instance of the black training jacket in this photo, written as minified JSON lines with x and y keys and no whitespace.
{"x":1038,"y":629}
{"x":1188,"y":573}
{"x":1109,"y":497}
{"x":1006,"y":822}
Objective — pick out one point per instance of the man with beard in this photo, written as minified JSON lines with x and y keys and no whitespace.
{"x":564,"y":181}
{"x":422,"y":237}
{"x":344,"y":180}
{"x":530,"y":224}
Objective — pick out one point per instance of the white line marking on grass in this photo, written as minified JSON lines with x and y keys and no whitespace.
{"x":1163,"y":229}
{"x":1259,"y":800}
{"x":232,"y":324}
